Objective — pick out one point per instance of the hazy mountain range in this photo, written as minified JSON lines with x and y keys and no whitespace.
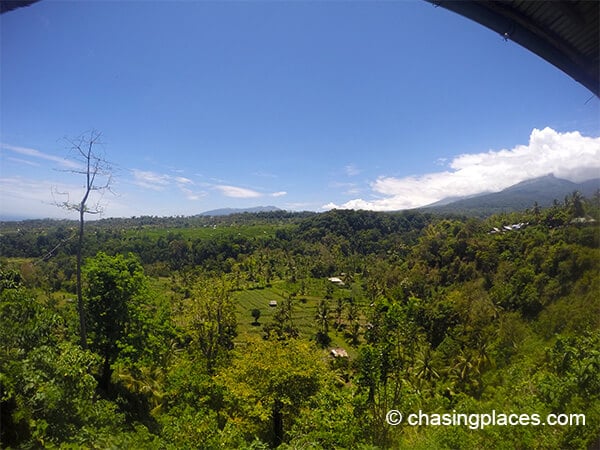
{"x":228,"y":211}
{"x":543,"y":190}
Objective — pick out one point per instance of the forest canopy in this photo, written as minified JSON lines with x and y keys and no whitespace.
{"x":287,"y":330}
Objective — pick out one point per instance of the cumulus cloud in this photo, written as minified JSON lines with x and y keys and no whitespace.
{"x":31,"y":152}
{"x":566,"y":155}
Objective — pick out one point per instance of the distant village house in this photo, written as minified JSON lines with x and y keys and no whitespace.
{"x":338,"y":352}
{"x":337,"y":281}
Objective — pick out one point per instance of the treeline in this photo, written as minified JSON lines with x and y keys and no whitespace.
{"x":174,"y":243}
{"x":437,"y":314}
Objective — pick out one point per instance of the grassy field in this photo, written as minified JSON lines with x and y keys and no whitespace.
{"x":248,"y":300}
{"x":304,"y":309}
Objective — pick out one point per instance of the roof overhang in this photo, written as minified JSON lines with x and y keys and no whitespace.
{"x":565,"y":33}
{"x":9,"y":5}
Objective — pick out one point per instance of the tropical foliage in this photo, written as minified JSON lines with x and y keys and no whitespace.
{"x":221,"y":332}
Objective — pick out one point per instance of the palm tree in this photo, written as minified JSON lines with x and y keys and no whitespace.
{"x":465,"y":371}
{"x":575,"y":203}
{"x":322,"y":317}
{"x":339,"y":309}
{"x":146,"y":381}
{"x":424,"y":368}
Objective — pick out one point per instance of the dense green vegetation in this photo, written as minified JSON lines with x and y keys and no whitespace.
{"x":216,"y":332}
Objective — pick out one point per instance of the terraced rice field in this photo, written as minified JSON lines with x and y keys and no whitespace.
{"x":303,"y":313}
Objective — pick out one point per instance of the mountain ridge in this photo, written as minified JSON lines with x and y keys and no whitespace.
{"x":230,"y":211}
{"x":542,"y":190}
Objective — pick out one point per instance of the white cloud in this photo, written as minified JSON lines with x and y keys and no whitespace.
{"x":184,"y":186}
{"x":28,"y":198}
{"x":66,"y":163}
{"x":22,"y":197}
{"x":23,"y":161}
{"x":183,"y":180}
{"x":192,"y":195}
{"x":566,"y":155}
{"x":237,"y":192}
{"x":20,"y":188}
{"x":351,"y":170}
{"x":150,"y":180}
{"x":161,"y":182}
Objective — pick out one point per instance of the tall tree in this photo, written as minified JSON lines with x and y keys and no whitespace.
{"x":114,"y":287}
{"x":267,"y":385}
{"x":213,"y":322}
{"x":98,"y":176}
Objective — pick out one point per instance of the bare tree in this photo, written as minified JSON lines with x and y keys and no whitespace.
{"x":98,"y":177}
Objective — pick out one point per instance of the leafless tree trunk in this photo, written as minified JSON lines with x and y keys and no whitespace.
{"x":98,"y":176}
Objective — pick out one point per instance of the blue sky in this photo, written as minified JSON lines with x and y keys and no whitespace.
{"x":301,"y":105}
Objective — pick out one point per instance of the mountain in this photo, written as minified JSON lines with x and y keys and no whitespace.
{"x":543,"y":190}
{"x":449,"y":200}
{"x":229,"y":211}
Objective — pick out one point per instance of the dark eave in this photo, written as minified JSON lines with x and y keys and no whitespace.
{"x":565,"y":33}
{"x":9,"y":5}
